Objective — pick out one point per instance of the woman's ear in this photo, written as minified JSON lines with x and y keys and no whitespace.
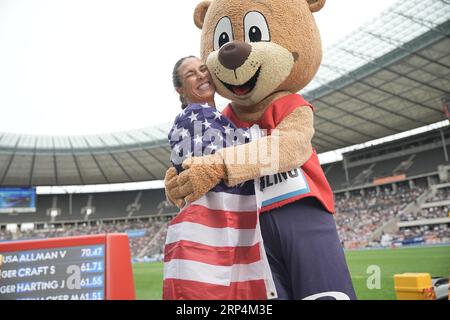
{"x":200,"y":13}
{"x":316,"y":5}
{"x":180,"y":91}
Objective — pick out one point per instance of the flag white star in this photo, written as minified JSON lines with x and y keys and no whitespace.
{"x":207,"y":124}
{"x":193,"y":117}
{"x":205,"y":105}
{"x":176,"y":149}
{"x":217,"y":115}
{"x":175,"y":130}
{"x":184,"y":133}
{"x":198,"y":139}
{"x":228,"y":129}
{"x":212,"y":146}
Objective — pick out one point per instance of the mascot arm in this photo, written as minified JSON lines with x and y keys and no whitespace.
{"x":286,"y":149}
{"x":294,"y":149}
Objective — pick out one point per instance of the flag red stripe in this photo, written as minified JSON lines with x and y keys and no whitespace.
{"x":216,"y":218}
{"x":220,"y":256}
{"x":174,"y":289}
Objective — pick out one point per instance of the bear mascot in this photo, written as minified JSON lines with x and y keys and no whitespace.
{"x":260,"y":53}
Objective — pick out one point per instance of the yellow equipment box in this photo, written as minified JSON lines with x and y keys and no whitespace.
{"x":414,"y":286}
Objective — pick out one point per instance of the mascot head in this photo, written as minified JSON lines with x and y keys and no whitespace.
{"x":254,"y":48}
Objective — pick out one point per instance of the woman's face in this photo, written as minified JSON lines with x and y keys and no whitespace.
{"x":197,"y":83}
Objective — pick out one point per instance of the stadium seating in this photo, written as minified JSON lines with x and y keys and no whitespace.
{"x":102,"y":206}
{"x":434,"y":234}
{"x":140,"y":242}
{"x":335,"y":174}
{"x":426,"y":160}
{"x":413,"y":156}
{"x":365,"y":211}
{"x":360,"y":215}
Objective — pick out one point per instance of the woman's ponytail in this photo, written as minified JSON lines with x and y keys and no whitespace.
{"x":176,"y":79}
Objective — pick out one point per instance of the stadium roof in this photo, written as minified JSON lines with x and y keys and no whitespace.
{"x":389,"y":76}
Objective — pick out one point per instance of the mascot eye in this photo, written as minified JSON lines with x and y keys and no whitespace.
{"x":254,"y":34}
{"x":223,"y":39}
{"x":255,"y":27}
{"x":223,"y":33}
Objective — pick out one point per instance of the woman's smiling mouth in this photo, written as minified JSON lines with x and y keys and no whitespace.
{"x":204,"y":86}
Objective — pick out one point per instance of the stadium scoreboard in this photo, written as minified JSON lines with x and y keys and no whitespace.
{"x":78,"y":268}
{"x":17,"y":200}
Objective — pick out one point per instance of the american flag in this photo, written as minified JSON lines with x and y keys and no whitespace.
{"x":214,"y":249}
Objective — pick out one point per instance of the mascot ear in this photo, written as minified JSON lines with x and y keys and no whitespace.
{"x":316,"y":5}
{"x":200,"y":13}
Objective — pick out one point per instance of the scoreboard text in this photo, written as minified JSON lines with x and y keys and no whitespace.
{"x":81,"y":268}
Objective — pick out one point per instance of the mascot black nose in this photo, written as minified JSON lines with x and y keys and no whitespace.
{"x":234,"y":54}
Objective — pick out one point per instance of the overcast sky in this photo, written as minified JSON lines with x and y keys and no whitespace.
{"x":99,"y":66}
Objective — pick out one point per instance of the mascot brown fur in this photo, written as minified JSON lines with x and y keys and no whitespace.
{"x":280,"y":59}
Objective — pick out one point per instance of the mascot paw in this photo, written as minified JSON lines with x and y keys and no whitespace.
{"x":172,"y":190}
{"x":201,"y":175}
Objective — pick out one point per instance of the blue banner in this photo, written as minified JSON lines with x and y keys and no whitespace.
{"x":136,"y":233}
